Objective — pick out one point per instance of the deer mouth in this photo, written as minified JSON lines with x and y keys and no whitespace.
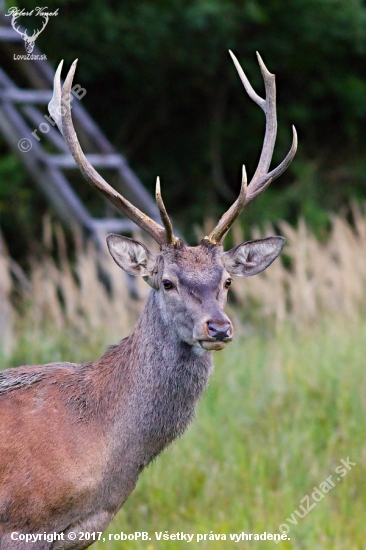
{"x":213,"y":345}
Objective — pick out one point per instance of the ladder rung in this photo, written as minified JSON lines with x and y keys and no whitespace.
{"x":7,"y":33}
{"x":96,"y":160}
{"x":114,"y":225}
{"x":26,"y":96}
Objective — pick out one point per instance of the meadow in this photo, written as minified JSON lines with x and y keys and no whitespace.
{"x":285,"y":406}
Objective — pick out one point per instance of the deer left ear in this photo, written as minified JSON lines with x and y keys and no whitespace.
{"x":252,"y":257}
{"x":131,"y":255}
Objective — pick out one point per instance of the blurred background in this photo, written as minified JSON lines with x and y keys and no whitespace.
{"x":163,"y":98}
{"x":163,"y":89}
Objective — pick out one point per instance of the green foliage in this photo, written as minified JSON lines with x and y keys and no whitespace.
{"x":19,"y":206}
{"x":280,"y":413}
{"x":163,"y":88}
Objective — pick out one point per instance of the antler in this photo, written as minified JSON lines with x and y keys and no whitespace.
{"x":36,"y":33}
{"x":60,"y":110}
{"x":17,"y":29}
{"x":262,"y":178}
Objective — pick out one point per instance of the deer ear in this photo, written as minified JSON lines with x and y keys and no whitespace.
{"x":252,"y":257}
{"x":131,"y":255}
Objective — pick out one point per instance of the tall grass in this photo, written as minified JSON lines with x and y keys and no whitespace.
{"x":279,"y":415}
{"x":317,"y":278}
{"x":87,"y":298}
{"x":283,"y":408}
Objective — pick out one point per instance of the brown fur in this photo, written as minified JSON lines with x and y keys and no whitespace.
{"x":74,"y":438}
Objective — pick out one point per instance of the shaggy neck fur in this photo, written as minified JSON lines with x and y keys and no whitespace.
{"x":159,"y":376}
{"x":146,"y":394}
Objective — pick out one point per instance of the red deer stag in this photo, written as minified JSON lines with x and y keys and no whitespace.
{"x":74,"y":438}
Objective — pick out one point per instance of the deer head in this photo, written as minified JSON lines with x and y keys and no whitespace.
{"x":191,"y":282}
{"x":29,"y":40}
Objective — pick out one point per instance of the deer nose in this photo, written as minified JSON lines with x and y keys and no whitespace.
{"x":219,"y":330}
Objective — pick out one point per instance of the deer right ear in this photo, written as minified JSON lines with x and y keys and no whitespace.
{"x":252,"y":257}
{"x":131,"y":255}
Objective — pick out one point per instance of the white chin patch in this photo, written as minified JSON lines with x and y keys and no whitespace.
{"x":198,"y":349}
{"x":214,"y":345}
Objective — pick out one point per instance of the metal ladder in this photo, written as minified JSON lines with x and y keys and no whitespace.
{"x":22,"y":110}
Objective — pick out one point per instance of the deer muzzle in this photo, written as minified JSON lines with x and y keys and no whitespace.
{"x":218,"y":333}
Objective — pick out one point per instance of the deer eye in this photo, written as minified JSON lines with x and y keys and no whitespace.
{"x":168,"y":285}
{"x":227,"y":283}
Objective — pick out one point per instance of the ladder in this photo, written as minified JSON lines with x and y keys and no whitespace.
{"x":41,"y":148}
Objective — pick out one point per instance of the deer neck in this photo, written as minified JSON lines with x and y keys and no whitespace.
{"x":168,"y":376}
{"x":149,"y":386}
{"x":152,"y":380}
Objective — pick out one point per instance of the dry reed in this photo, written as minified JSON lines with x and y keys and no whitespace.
{"x":91,"y":294}
{"x":6,"y":309}
{"x":317,"y":278}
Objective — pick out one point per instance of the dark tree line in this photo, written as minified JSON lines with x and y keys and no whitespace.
{"x":162,"y":86}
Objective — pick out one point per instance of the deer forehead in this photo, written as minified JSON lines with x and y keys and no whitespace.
{"x":197,"y":265}
{"x":201,"y":256}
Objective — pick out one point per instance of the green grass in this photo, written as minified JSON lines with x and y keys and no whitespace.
{"x":280,"y":413}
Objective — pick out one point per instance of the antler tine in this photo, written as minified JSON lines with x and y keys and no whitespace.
{"x":275,"y":173}
{"x":17,"y":28}
{"x":60,"y":110}
{"x":54,"y":106}
{"x":262,"y":178}
{"x":247,"y":85}
{"x":171,"y":239}
{"x":218,"y":234}
{"x":36,"y":33}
